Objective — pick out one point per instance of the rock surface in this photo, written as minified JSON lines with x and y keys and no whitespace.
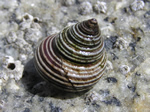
{"x":125,"y":27}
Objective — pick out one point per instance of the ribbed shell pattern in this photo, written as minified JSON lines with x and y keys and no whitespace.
{"x":74,"y":59}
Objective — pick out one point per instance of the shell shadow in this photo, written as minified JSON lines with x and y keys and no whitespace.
{"x":34,"y":84}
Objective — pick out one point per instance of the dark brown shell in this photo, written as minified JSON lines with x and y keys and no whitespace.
{"x":74,"y":59}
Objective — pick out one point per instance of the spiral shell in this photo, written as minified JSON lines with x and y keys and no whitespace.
{"x":74,"y":59}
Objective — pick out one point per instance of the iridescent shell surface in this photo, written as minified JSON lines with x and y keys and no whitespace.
{"x":74,"y":59}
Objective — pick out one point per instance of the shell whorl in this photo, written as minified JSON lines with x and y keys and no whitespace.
{"x":74,"y":59}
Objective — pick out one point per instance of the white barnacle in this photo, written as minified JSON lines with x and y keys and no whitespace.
{"x":100,"y":7}
{"x":124,"y":69}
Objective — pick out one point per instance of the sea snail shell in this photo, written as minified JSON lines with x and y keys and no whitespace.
{"x":74,"y":59}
